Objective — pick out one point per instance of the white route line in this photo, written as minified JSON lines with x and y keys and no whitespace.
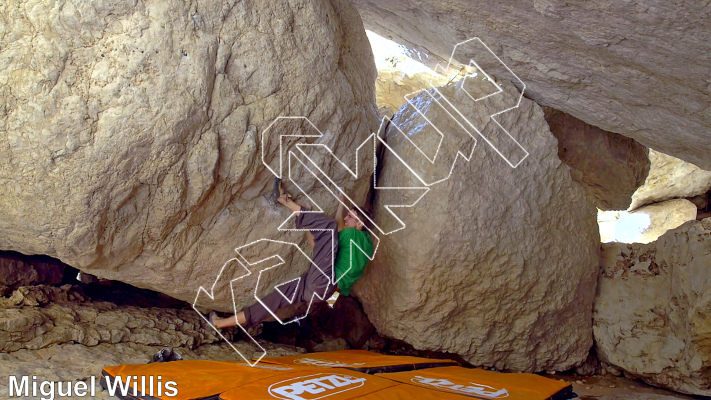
{"x":425,"y":188}
{"x":459,"y":153}
{"x":281,"y":262}
{"x":372,"y":137}
{"x":281,"y":141}
{"x":518,"y":102}
{"x":211,"y":295}
{"x":290,"y":300}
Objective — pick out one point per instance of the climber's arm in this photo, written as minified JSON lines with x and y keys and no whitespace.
{"x":341,"y":212}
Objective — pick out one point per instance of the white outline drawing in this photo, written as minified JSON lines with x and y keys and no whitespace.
{"x":281,"y":142}
{"x":297,"y":154}
{"x":518,"y":102}
{"x":290,"y":300}
{"x":281,"y":262}
{"x":211,"y":295}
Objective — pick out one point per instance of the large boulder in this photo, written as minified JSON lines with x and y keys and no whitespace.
{"x":670,"y":178}
{"x":637,"y":68}
{"x":652,"y":311}
{"x":496,"y":264}
{"x":130,"y":131}
{"x":610,"y":166}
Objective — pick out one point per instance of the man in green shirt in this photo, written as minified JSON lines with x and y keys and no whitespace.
{"x":350,"y":263}
{"x":353,"y":241}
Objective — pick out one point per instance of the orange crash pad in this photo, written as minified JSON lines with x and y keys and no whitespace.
{"x":360,"y":361}
{"x":483,"y":384}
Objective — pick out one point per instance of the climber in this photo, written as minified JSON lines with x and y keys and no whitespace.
{"x":350,"y":228}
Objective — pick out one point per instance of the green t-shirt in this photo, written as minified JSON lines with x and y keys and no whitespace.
{"x":347,"y":272}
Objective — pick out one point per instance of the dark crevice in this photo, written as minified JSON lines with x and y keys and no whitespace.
{"x":46,"y":270}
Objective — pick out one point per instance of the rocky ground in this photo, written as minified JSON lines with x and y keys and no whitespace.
{"x":343,"y":325}
{"x":608,"y":387}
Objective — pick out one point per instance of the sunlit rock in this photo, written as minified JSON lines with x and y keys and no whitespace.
{"x":610,"y":166}
{"x":393,"y":85}
{"x":652,"y":312}
{"x":670,"y":178}
{"x":637,"y":68}
{"x":496,"y":264}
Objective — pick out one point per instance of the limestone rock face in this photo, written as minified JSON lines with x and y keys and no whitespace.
{"x":652,"y":312}
{"x":130,"y":131}
{"x":648,"y":223}
{"x":17,"y":270}
{"x":609,"y":165}
{"x":496,"y":264}
{"x":637,"y":68}
{"x":66,"y":317}
{"x":670,"y":178}
{"x":393,"y":85}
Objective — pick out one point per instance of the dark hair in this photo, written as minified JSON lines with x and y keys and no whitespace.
{"x":364,"y":214}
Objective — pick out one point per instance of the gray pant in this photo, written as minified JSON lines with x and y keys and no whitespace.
{"x":313,"y":282}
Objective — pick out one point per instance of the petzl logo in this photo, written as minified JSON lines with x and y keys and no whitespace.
{"x":324,"y":363}
{"x":471,"y":389}
{"x":314,"y":387}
